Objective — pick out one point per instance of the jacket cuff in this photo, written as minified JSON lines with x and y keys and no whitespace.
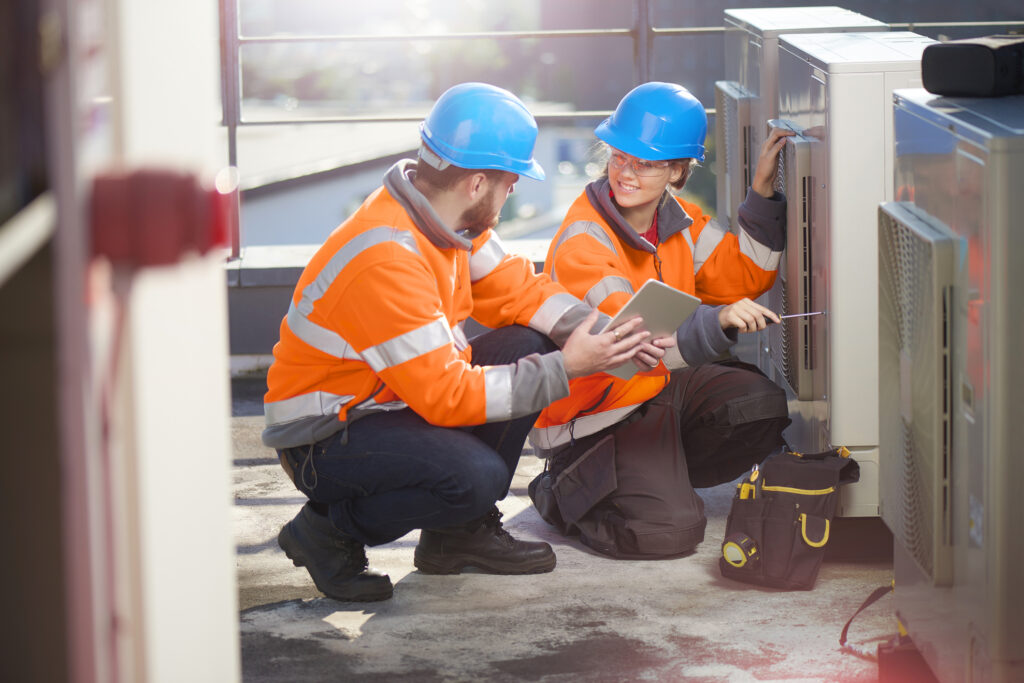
{"x":701,"y":338}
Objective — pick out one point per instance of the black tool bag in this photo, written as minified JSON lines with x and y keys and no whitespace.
{"x":990,"y":66}
{"x":781,"y":516}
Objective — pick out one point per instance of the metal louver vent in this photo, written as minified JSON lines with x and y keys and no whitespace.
{"x":791,"y":344}
{"x":732,"y":140}
{"x":915,"y":296}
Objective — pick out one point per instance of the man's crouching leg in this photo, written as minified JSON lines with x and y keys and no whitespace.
{"x":483,"y":542}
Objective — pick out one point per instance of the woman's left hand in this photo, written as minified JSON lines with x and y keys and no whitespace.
{"x":768,"y":161}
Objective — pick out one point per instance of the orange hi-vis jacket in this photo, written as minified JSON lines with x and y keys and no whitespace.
{"x":376,"y":323}
{"x":597,"y":256}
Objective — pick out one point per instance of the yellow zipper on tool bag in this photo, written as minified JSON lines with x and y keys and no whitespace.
{"x":804,"y":492}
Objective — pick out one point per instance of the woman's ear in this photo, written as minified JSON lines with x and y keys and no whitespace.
{"x":679,"y":174}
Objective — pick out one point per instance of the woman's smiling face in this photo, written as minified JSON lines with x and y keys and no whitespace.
{"x":636,"y":182}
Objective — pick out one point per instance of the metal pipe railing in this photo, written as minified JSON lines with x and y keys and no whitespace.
{"x":642,"y":32}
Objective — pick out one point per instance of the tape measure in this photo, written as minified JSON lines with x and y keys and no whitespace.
{"x":739,"y":550}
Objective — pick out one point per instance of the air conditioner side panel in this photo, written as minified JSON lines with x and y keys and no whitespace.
{"x":856,"y":137}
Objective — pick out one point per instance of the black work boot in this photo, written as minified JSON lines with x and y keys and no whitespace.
{"x":484,"y":544}
{"x":336,"y":562}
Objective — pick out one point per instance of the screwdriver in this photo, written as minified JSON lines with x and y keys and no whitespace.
{"x":798,"y":315}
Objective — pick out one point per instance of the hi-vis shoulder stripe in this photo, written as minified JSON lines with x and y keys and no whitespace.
{"x":319,"y":337}
{"x":582,"y":228}
{"x":407,"y":346}
{"x":315,"y":403}
{"x":357,"y":245}
{"x":710,"y":237}
{"x":606,"y":286}
{"x":488,"y":257}
{"x":762,"y":255}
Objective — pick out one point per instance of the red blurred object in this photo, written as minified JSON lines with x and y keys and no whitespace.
{"x":153,"y":217}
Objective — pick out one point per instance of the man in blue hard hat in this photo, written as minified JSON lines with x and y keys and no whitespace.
{"x":382,"y":411}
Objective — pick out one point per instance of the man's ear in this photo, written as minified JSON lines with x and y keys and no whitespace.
{"x":476,"y":185}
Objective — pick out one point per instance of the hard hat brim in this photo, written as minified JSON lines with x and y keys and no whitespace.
{"x":633,"y":147}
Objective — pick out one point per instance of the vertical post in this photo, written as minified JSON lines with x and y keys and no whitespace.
{"x":230,"y":88}
{"x":643,"y":42}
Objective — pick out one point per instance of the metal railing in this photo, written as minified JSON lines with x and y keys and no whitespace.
{"x":642,"y":33}
{"x":232,"y":41}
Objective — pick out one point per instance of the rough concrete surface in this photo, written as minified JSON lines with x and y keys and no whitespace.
{"x":591,"y":619}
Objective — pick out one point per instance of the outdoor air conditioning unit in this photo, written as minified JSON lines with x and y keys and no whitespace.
{"x":835,"y":92}
{"x":749,"y":94}
{"x":951,"y":271}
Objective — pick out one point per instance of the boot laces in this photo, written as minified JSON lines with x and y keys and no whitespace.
{"x":492,"y":520}
{"x":354,"y":552}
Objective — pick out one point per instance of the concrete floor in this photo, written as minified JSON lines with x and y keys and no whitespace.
{"x":591,"y":619}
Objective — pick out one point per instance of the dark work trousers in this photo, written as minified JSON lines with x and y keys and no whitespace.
{"x":389,"y":473}
{"x":730,"y":417}
{"x":629,"y":489}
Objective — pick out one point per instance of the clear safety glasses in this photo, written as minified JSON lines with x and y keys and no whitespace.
{"x":640,"y":167}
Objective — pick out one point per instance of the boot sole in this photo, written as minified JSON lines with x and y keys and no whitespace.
{"x":293,"y":551}
{"x":456,"y":563}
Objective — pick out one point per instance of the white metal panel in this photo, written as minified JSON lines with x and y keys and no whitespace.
{"x":773,"y":21}
{"x":174,"y":447}
{"x":838,"y":89}
{"x":752,"y":38}
{"x":960,"y":162}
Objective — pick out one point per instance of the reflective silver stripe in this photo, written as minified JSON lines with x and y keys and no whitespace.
{"x":425,"y":339}
{"x":498,"y":390}
{"x":314,"y":404}
{"x":358,"y":244}
{"x":551,"y":311}
{"x":710,"y":237}
{"x":606,"y":286}
{"x":483,"y":262}
{"x":760,"y":254}
{"x":556,"y":435}
{"x":459,"y":335}
{"x":320,"y":338}
{"x":369,"y":405}
{"x":581,"y":228}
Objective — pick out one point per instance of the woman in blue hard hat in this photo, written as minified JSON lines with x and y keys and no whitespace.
{"x":625,"y":228}
{"x":383,"y":413}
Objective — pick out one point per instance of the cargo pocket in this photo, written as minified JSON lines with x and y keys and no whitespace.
{"x":587,"y":481}
{"x":800,"y":526}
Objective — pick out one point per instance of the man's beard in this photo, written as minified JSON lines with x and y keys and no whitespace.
{"x":479,"y":217}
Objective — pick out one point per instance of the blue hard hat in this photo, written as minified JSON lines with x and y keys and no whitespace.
{"x":476,"y":125}
{"x":657,"y":121}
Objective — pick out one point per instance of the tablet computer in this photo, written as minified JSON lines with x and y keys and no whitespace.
{"x":663,"y":309}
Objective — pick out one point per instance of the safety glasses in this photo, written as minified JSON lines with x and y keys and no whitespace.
{"x":640,"y":167}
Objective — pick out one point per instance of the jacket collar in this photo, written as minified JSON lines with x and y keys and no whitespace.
{"x":671,"y":217}
{"x":398,"y":182}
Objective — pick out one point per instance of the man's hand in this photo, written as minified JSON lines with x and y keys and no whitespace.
{"x":767,"y":162}
{"x":585,"y":353}
{"x":746,"y":316}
